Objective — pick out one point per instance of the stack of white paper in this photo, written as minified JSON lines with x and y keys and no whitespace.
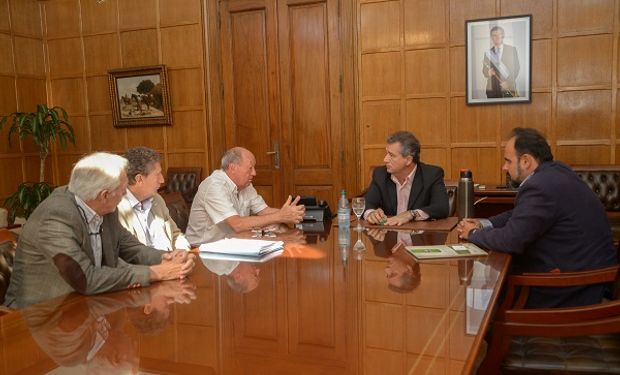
{"x":238,"y":246}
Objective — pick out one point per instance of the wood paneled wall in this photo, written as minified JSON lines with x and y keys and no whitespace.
{"x":22,"y":86}
{"x":70,"y":45}
{"x":411,"y":57}
{"x":86,"y":39}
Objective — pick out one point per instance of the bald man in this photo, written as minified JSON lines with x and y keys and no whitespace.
{"x":227,"y":203}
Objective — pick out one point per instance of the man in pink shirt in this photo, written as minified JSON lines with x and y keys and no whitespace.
{"x":405,"y":189}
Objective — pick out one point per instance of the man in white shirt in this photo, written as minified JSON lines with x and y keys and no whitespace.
{"x":142,"y":211}
{"x":226,"y":202}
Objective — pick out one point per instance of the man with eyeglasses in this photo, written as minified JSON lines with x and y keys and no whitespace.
{"x":73,"y":241}
{"x":405,"y":189}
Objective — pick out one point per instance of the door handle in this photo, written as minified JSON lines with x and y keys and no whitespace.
{"x":276,"y":153}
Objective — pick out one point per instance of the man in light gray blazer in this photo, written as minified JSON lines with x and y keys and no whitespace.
{"x":74,"y":242}
{"x":142,"y":211}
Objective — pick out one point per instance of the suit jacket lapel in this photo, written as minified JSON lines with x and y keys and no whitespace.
{"x":416,"y":187}
{"x":108,"y":246}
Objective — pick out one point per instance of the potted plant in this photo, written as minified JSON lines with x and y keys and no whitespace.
{"x":46,"y":125}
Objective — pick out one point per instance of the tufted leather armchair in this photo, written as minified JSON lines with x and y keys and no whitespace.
{"x":604,"y":180}
{"x":184,"y":180}
{"x":179,"y":212}
{"x":8,"y":241}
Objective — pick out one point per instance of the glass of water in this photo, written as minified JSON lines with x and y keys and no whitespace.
{"x":358,"y":204}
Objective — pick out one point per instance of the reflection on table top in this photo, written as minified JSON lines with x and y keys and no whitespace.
{"x":336,"y":302}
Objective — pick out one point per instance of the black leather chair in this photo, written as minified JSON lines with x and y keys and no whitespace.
{"x":184,"y":180}
{"x":179,"y":211}
{"x":604,"y":180}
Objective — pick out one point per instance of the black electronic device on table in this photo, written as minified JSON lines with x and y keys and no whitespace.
{"x":315,"y":212}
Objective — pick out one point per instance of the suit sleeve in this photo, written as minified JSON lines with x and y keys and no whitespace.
{"x":59,"y":240}
{"x":438,"y":206}
{"x":373,"y":195}
{"x":532,"y":216}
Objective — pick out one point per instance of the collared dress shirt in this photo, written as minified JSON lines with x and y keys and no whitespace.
{"x":93,"y":221}
{"x":217,"y":199}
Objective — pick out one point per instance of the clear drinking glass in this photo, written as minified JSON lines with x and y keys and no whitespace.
{"x":358,"y":204}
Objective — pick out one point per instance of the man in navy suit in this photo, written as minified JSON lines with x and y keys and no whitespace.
{"x":405,"y":189}
{"x":557,"y":225}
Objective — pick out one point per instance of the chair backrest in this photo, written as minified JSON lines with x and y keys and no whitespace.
{"x":179,"y":212}
{"x":604,"y":180}
{"x":184,"y":180}
{"x":8,"y":242}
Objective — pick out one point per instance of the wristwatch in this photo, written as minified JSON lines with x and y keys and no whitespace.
{"x":414,"y":214}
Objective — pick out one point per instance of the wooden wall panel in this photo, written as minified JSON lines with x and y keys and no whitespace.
{"x":578,"y":16}
{"x":536,"y":115}
{"x":179,"y":12}
{"x":63,"y":19}
{"x":378,"y":120}
{"x":184,"y":91}
{"x":586,"y":154}
{"x":190,"y":132}
{"x":98,"y":95}
{"x":381,"y":74}
{"x":29,"y":56}
{"x":425,"y":72}
{"x":8,"y":98}
{"x":25,"y":18}
{"x":575,"y":75}
{"x":65,"y":57}
{"x":4,"y":16}
{"x":588,"y":60}
{"x":105,"y":137}
{"x":425,"y":22}
{"x":11,"y":175}
{"x":427,"y":118}
{"x":99,"y":18}
{"x":139,"y":48}
{"x":71,"y":93}
{"x":30,"y":92}
{"x":541,"y":11}
{"x":583,"y":115}
{"x":101,"y":53}
{"x":380,"y":25}
{"x":187,"y":53}
{"x":137,"y":14}
{"x":6,"y":46}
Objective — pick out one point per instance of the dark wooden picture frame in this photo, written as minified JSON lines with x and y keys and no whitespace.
{"x":140,"y":96}
{"x":498,"y":60}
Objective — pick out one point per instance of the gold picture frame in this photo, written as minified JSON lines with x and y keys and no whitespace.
{"x":140,"y":96}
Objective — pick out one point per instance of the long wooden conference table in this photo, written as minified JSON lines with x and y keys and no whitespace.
{"x":322,"y":307}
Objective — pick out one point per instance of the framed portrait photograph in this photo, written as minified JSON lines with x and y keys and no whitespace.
{"x":140,"y":96}
{"x":498,"y":60}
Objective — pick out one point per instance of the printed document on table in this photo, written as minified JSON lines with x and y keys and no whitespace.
{"x":460,"y":250}
{"x":245,"y":247}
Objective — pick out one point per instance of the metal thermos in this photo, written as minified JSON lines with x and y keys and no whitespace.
{"x":465,"y":195}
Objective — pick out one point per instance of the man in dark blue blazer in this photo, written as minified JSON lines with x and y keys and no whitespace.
{"x":405,"y":189}
{"x":558,"y":224}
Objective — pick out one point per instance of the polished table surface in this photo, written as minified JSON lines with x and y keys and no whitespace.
{"x":321,"y":308}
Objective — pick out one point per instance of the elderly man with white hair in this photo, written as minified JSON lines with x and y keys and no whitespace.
{"x":73,"y":241}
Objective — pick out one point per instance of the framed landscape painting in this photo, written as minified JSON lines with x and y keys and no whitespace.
{"x":140,"y":96}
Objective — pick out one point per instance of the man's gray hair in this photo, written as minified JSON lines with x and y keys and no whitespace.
{"x":96,"y":172}
{"x":410,"y":146}
{"x":141,"y":161}
{"x":232,"y":156}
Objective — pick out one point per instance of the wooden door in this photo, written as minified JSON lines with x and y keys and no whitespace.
{"x":250,"y":83}
{"x":311,"y":74}
{"x":282,"y":74}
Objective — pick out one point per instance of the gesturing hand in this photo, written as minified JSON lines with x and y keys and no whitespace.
{"x":291,"y":213}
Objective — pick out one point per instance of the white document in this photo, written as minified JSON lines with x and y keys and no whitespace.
{"x":244,"y":247}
